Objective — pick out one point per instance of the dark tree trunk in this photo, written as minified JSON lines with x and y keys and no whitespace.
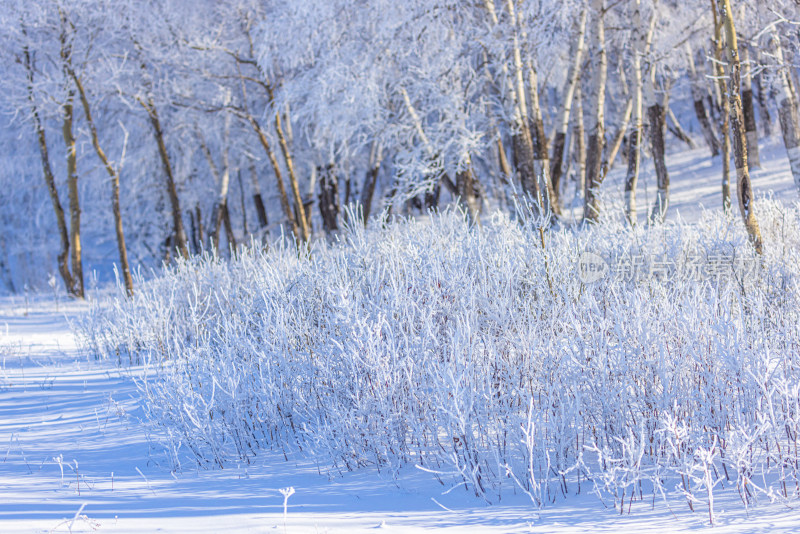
{"x":196,"y":248}
{"x":557,"y":164}
{"x":226,"y":219}
{"x":751,"y":129}
{"x":655,"y":115}
{"x":329,"y":198}
{"x":749,"y":114}
{"x":705,"y":125}
{"x":432,"y":197}
{"x":179,"y":233}
{"x":468,"y":193}
{"x":200,"y":229}
{"x":763,"y":105}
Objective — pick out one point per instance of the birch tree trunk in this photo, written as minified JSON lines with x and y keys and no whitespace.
{"x":725,"y":110}
{"x":744,"y":191}
{"x":74,"y":201}
{"x":541,"y":161}
{"x":698,"y":95}
{"x":635,"y":137}
{"x":787,"y":110}
{"x":222,"y":215}
{"x":579,"y":136}
{"x":594,"y":163}
{"x":559,"y":140}
{"x":113,"y":174}
{"x":524,"y":152}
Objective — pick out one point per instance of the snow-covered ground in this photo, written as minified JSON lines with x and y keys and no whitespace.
{"x":77,"y":457}
{"x":61,"y":412}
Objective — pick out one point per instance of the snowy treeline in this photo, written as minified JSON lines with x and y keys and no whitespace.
{"x":481,"y":356}
{"x":141,"y":131}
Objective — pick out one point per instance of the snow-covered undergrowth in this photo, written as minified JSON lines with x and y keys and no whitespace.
{"x":480,"y":354}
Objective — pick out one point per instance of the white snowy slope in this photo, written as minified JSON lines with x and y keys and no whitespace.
{"x":75,"y":456}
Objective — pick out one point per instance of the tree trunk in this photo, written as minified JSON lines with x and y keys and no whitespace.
{"x":641,"y":48}
{"x":242,"y":203}
{"x":199,"y":218}
{"x":541,"y":156}
{"x":526,"y":155}
{"x":257,"y":198}
{"x":63,"y":255}
{"x":178,"y":231}
{"x":113,"y":174}
{"x":579,"y":135}
{"x":329,"y":198}
{"x":763,"y":106}
{"x":305,"y":227}
{"x":594,"y":163}
{"x":787,"y":111}
{"x":72,"y":173}
{"x":226,"y":220}
{"x":284,"y":198}
{"x":677,"y":130}
{"x":521,"y":141}
{"x":744,"y":191}
{"x":698,"y":95}
{"x":502,"y":159}
{"x":619,"y":135}
{"x":635,"y":138}
{"x":196,"y":248}
{"x":751,"y":129}
{"x":74,"y":201}
{"x":262,"y":138}
{"x":467,"y":191}
{"x":656,"y":118}
{"x":559,"y":140}
{"x":221,"y":204}
{"x":371,"y":180}
{"x":725,"y":111}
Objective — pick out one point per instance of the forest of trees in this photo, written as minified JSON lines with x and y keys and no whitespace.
{"x":163,"y":129}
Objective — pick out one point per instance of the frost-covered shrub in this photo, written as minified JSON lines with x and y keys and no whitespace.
{"x":482,"y":354}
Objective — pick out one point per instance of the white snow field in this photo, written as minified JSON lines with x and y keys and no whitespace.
{"x":77,"y":457}
{"x":57,"y":404}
